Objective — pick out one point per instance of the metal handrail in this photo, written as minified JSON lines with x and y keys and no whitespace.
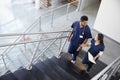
{"x":54,"y":9}
{"x":22,"y":34}
{"x":18,"y":34}
{"x":12,"y":45}
{"x":40,"y":22}
{"x":99,"y":75}
{"x":18,"y":38}
{"x":17,"y":43}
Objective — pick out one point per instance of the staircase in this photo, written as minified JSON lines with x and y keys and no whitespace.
{"x":53,"y":69}
{"x":43,"y":58}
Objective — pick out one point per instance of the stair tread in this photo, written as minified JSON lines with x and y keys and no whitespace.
{"x":55,"y":69}
{"x":59,"y":70}
{"x":46,"y":70}
{"x":23,"y":74}
{"x":8,"y":76}
{"x":67,"y":66}
{"x":38,"y":74}
{"x":97,"y":68}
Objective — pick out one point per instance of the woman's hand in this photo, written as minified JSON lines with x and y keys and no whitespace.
{"x":94,"y":58}
{"x":97,"y":56}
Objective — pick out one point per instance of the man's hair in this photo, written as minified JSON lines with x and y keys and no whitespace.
{"x":84,"y":18}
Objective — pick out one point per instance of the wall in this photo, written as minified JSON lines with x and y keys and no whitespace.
{"x":108,"y":19}
{"x":87,"y":3}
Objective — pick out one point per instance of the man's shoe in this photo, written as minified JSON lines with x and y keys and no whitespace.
{"x":72,"y":61}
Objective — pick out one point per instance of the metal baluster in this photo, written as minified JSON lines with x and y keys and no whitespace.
{"x":117,"y":63}
{"x":4,"y":62}
{"x":43,"y":56}
{"x":60,"y":41}
{"x":24,"y":44}
{"x":117,"y":68}
{"x":52,"y":13}
{"x":62,"y":47}
{"x":39,"y":23}
{"x":29,"y":67}
{"x":67,"y":13}
{"x":79,"y":5}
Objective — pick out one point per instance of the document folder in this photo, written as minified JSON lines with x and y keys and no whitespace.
{"x":90,"y":57}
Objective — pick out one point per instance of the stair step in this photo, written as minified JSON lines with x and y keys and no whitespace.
{"x":46,"y":70}
{"x":67,"y":66}
{"x":38,"y":74}
{"x":97,"y":68}
{"x":61,"y":72}
{"x":23,"y":74}
{"x":101,"y":64}
{"x":8,"y":76}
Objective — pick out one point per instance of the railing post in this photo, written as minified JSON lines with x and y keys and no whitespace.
{"x":79,"y":5}
{"x":43,"y":56}
{"x":67,"y":13}
{"x":97,"y":77}
{"x":24,"y":43}
{"x":52,"y":14}
{"x":39,"y":23}
{"x":61,"y":42}
{"x":4,"y":62}
{"x":29,"y":67}
{"x":114,"y":70}
{"x":62,"y":47}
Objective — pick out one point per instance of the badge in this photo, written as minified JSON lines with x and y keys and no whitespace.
{"x":81,"y":36}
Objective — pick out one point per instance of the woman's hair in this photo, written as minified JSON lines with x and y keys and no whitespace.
{"x":101,"y":37}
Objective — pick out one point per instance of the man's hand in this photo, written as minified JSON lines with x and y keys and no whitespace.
{"x":82,"y":45}
{"x":69,"y":39}
{"x":79,"y":48}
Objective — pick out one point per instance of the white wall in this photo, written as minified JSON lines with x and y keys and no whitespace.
{"x":108,"y":19}
{"x":87,"y":3}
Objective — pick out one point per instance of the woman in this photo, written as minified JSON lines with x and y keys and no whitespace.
{"x":96,"y":50}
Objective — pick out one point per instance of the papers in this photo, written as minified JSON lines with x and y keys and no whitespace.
{"x":90,"y":57}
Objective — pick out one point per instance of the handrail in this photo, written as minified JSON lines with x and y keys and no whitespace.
{"x":24,"y":34}
{"x":105,"y":70}
{"x":40,"y":24}
{"x":58,"y":8}
{"x":19,"y":37}
{"x":17,"y":34}
{"x":17,"y":43}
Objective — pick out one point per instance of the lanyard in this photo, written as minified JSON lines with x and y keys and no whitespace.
{"x":83,"y":29}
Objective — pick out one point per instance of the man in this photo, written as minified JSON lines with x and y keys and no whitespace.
{"x":78,"y":36}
